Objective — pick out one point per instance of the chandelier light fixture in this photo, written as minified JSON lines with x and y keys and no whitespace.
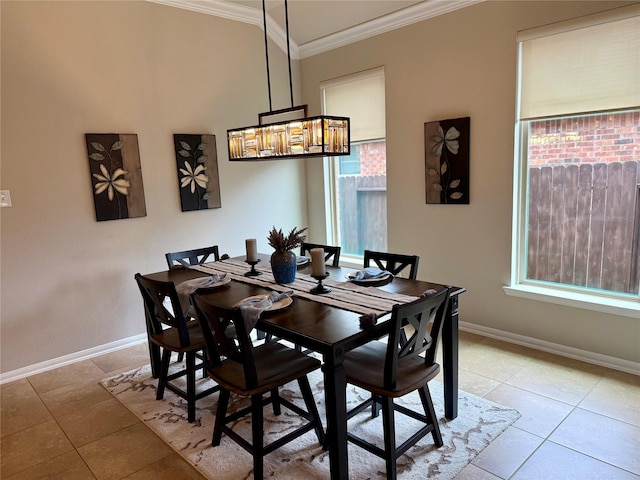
{"x":321,"y":135}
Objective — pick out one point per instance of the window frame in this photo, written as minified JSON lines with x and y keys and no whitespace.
{"x":556,"y":293}
{"x":562,"y":294}
{"x":331,"y":172}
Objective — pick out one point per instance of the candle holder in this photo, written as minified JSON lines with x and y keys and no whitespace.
{"x":320,"y":288}
{"x":253,"y":272}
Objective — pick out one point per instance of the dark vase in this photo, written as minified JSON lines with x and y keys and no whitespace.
{"x":283,"y":266}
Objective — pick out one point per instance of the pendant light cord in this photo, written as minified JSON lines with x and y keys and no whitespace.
{"x":266,"y":51}
{"x":286,"y":16}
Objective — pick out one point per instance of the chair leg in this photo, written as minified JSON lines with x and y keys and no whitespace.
{"x":221,"y":413}
{"x":375,"y":405}
{"x":257,"y":434}
{"x":180,"y":356}
{"x":430,"y":413}
{"x":205,"y":361}
{"x":191,"y":386}
{"x":275,"y":402}
{"x":310,"y":403}
{"x":155,"y":359}
{"x":389,"y":427}
{"x":164,"y":372}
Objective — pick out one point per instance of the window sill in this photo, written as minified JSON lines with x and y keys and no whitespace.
{"x":614,"y":306}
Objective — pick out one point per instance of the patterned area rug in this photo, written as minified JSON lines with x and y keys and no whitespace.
{"x":479,"y":422}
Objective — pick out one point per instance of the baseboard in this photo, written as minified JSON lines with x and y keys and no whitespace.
{"x":555,"y":348}
{"x":71,"y":358}
{"x":562,"y":350}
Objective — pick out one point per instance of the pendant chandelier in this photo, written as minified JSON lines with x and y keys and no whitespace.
{"x":321,"y":135}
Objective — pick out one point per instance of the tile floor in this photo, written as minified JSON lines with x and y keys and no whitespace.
{"x":579,"y":421}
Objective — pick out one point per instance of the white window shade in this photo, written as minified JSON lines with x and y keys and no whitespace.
{"x":367,"y":119}
{"x":580,"y":70}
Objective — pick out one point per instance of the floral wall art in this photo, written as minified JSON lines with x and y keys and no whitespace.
{"x":198,"y":179}
{"x":116,"y":176}
{"x":447,"y":161}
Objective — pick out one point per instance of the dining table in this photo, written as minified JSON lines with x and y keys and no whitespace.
{"x":328,"y":324}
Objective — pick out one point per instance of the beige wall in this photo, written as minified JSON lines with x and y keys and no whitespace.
{"x":70,"y":68}
{"x":456,"y":65}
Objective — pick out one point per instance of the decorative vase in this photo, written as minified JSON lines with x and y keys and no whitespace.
{"x":283,"y":266}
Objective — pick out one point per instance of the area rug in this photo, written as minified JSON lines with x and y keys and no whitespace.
{"x":478,"y":423}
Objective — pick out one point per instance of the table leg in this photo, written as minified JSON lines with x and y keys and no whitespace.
{"x":335,"y":392}
{"x":450,"y":359}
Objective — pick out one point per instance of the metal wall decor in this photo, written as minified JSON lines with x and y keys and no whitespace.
{"x":198,"y":179}
{"x":447,"y":161}
{"x":116,"y":176}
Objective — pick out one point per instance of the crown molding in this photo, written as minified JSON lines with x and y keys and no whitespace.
{"x":240,"y":13}
{"x":401,"y":18}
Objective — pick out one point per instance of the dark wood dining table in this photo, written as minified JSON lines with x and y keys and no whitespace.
{"x":332,"y":331}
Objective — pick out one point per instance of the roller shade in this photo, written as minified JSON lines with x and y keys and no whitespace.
{"x":582,"y":66}
{"x":361,"y":98}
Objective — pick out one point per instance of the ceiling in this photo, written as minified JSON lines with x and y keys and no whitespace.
{"x":316,"y":26}
{"x":312,"y":20}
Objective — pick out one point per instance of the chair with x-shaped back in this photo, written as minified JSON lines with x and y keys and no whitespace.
{"x":169,"y":331}
{"x":251,"y":371}
{"x":394,"y":263}
{"x":394,"y":369}
{"x":196,"y":256}
{"x":331,"y":252}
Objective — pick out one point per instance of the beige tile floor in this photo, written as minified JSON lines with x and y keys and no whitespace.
{"x":579,"y":421}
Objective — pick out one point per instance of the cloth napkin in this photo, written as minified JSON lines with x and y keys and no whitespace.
{"x":252,"y":309}
{"x":428,"y":293}
{"x":369,"y":273}
{"x":186,"y":288}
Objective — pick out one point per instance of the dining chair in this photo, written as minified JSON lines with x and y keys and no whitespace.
{"x":241,"y":368}
{"x":196,"y":256}
{"x":391,"y":370}
{"x":331,"y":252}
{"x":188,"y":258}
{"x":169,"y":331}
{"x":393,"y":262}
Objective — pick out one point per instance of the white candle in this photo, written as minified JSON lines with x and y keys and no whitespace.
{"x":317,"y":262}
{"x":252,"y":250}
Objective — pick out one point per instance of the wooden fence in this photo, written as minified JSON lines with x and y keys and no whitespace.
{"x":363,"y":213}
{"x":584,"y":222}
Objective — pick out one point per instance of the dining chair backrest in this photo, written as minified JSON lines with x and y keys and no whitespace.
{"x":331,"y":253}
{"x":393,"y":262}
{"x":157,"y":297}
{"x":419,"y":314}
{"x":196,"y":256}
{"x":221,"y":347}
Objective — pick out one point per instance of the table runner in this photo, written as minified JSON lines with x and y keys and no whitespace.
{"x":345,"y":295}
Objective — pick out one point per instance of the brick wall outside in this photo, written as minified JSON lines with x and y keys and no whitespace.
{"x":373,"y":158}
{"x":613,"y":137}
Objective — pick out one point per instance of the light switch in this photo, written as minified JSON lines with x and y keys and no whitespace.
{"x":5,"y":198}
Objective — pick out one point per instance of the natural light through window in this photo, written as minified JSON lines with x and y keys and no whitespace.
{"x":359,"y":181}
{"x":577,"y":175}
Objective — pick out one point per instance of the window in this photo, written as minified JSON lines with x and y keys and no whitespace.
{"x":359,"y":181}
{"x":577,"y":185}
{"x":350,"y":165}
